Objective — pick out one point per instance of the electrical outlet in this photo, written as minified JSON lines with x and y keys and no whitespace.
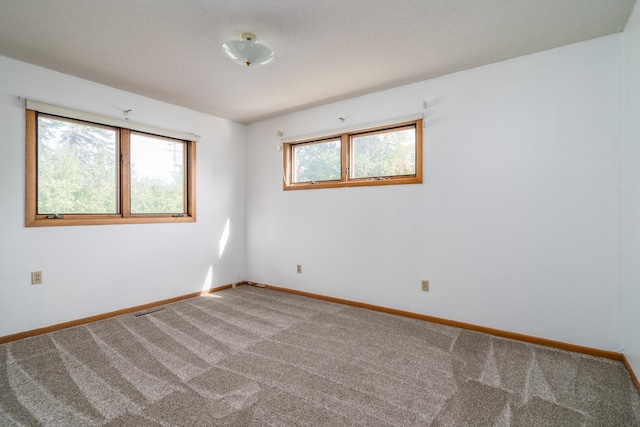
{"x":36,"y":277}
{"x":425,"y":285}
{"x":299,"y":269}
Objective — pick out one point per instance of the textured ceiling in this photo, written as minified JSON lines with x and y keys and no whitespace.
{"x":326,"y":50}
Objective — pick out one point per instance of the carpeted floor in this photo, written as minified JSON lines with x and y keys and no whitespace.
{"x":252,"y":357}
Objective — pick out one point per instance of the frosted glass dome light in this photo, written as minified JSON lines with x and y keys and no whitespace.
{"x":247,"y":51}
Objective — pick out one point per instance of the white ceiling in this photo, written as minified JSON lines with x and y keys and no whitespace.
{"x":326,"y":50}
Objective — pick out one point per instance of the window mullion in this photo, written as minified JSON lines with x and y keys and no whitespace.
{"x":125,"y":174}
{"x":346,"y":162}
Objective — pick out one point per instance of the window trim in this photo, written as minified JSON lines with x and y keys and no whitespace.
{"x":346,"y":159}
{"x":124,"y":216}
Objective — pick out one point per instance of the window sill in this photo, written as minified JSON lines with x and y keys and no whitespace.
{"x":368,"y":182}
{"x":71,"y":220}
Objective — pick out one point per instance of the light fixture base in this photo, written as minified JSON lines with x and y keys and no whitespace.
{"x":249,"y":37}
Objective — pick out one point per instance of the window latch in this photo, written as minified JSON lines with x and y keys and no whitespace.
{"x":381,"y":178}
{"x":313,"y":182}
{"x":178,"y":215}
{"x":55,"y":216}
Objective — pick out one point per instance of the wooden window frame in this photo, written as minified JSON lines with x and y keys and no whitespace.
{"x":346,"y":160}
{"x":124,"y":216}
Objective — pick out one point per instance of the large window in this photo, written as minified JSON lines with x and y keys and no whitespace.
{"x":82,"y":173}
{"x":390,"y":154}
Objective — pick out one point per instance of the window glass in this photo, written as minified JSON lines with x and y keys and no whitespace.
{"x":157,"y":174}
{"x":382,"y":154}
{"x":318,"y":161}
{"x":76,"y":167}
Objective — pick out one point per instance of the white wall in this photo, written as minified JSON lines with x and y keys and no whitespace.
{"x":631,"y":194}
{"x":517,"y":224}
{"x":90,"y":270}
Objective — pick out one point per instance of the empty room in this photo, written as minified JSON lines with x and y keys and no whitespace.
{"x":329,"y":213}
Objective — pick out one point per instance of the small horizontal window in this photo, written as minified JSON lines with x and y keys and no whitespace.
{"x":386,"y":155}
{"x":82,"y":173}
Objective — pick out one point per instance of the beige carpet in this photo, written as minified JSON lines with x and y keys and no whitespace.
{"x":254,"y":357}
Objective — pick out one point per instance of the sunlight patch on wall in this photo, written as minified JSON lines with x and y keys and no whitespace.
{"x":223,"y":240}
{"x":208,"y":281}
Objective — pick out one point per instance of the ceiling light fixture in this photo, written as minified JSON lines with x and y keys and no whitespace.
{"x":247,"y":51}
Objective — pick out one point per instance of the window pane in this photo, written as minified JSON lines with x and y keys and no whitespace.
{"x":157,"y":175}
{"x":384,"y":154}
{"x":317,"y":162}
{"x":76,"y":168}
